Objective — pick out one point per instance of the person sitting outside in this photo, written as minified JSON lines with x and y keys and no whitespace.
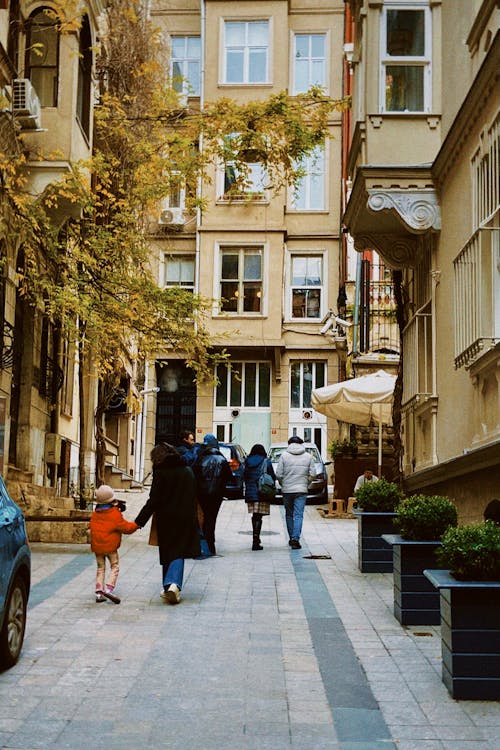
{"x":366,"y":476}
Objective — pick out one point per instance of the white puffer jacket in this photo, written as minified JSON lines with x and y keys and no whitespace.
{"x":295,"y":469}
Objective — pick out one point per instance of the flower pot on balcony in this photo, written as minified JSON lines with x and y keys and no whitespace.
{"x":470,"y":635}
{"x":416,"y":601}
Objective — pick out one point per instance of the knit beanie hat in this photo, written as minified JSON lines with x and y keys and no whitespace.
{"x":104,"y":494}
{"x":211,"y":441}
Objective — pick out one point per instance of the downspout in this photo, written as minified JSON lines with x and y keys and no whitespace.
{"x":357,"y":291}
{"x":199,"y":187}
{"x":436,"y":277}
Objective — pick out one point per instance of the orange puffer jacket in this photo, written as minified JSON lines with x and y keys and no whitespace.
{"x":106,"y":529}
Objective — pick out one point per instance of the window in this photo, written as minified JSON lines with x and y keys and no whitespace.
{"x":309,"y":61}
{"x":248,"y":179}
{"x":405,"y":59}
{"x":42,"y":60}
{"x":306,"y":286}
{"x":69,"y":356}
{"x":309,"y":194}
{"x":185,"y":65}
{"x":245,"y":384}
{"x":246,"y":52}
{"x":241,"y":280}
{"x":84,"y":77}
{"x":179,"y":271}
{"x":304,"y":376}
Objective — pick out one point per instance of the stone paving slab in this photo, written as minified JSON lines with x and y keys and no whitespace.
{"x":266,"y":650}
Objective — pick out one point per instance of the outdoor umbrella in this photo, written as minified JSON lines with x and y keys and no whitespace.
{"x":359,"y":401}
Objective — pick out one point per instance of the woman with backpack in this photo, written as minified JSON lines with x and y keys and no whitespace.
{"x":258,"y":505}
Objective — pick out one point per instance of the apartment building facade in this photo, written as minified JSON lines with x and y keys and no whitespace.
{"x":424,"y":165}
{"x":270,"y":264}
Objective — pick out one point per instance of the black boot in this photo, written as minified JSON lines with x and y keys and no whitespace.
{"x":256,"y":526}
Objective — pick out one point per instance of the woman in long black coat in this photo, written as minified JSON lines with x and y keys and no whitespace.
{"x":173,"y":501}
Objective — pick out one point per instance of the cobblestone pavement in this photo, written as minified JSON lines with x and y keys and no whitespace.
{"x":267,"y":650}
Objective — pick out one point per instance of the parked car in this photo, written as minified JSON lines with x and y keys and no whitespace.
{"x":318,"y":489}
{"x":235,"y":455}
{"x":15,"y":578}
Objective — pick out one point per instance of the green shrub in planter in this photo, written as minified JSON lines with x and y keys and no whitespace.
{"x":472,"y":553}
{"x":378,"y":497}
{"x":425,"y":517}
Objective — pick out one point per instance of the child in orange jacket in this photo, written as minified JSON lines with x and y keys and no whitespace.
{"x":106,"y":528}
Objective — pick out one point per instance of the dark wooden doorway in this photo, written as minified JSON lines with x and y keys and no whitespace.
{"x":176,"y":401}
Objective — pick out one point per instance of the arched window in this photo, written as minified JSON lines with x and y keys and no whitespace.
{"x":42,"y":56}
{"x":84,"y":77}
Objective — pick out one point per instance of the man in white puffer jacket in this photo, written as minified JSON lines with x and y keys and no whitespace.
{"x":294,"y":471}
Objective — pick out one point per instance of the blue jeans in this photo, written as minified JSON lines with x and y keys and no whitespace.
{"x":294,"y":503}
{"x":173,"y":573}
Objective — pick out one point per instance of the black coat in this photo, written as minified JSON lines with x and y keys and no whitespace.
{"x":173,"y":500}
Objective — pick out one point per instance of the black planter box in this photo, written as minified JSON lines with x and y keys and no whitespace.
{"x":374,"y":553}
{"x":470,"y":635}
{"x":416,"y":600}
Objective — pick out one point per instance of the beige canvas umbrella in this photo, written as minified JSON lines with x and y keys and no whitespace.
{"x":359,"y":401}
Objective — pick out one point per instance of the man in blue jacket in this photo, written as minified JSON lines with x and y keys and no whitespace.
{"x":212,"y":473}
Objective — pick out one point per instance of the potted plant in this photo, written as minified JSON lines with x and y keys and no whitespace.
{"x":353,"y":448}
{"x":376,"y":503}
{"x":469,"y":587}
{"x":336,"y":449}
{"x":422,"y":521}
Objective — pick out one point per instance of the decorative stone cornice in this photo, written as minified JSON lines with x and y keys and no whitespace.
{"x":417,"y":209}
{"x":397,"y":251}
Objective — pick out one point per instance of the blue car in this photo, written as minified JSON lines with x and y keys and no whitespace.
{"x":15,"y":577}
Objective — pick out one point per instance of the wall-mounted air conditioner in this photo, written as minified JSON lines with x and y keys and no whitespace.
{"x":307,"y":414}
{"x":171,"y":217}
{"x":25,"y":104}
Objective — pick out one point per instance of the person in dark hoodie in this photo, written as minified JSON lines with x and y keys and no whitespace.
{"x":173,"y":501}
{"x":212,"y":473}
{"x":258,"y":507}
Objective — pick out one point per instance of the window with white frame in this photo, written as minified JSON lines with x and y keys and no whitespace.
{"x":309,"y":193}
{"x":178,"y":270}
{"x":246,"y":52}
{"x":185,"y":64}
{"x":405,"y":57}
{"x":304,"y":376}
{"x":243,"y":384}
{"x":241,"y":182}
{"x":306,"y":286}
{"x":477,"y":266}
{"x":309,"y":61}
{"x":241,"y":279}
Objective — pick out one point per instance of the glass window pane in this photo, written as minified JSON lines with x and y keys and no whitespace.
{"x":178,"y":46}
{"x":301,"y":75}
{"x":301,"y":45}
{"x":295,"y":385}
{"x":193,"y":46}
{"x":252,"y":267}
{"x":229,"y":266}
{"x":318,"y":45}
{"x":264,"y":384}
{"x":250,"y":383}
{"x":316,"y":200}
{"x":187,"y":272}
{"x":258,"y":33}
{"x":318,"y":72}
{"x":251,"y":297}
{"x":313,"y":271}
{"x":299,"y":270}
{"x":235,"y":33}
{"x":177,"y":76}
{"x":229,"y":296}
{"x":404,"y":88}
{"x":234,"y":66}
{"x":405,"y":33}
{"x":221,"y":391}
{"x":257,"y":66}
{"x":194,"y":77}
{"x":307,"y":384}
{"x":313,"y":303}
{"x":235,"y":398}
{"x":320,"y":375}
{"x":299,"y":194}
{"x":298,"y":303}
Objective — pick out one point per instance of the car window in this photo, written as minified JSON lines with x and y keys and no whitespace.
{"x":226,"y":451}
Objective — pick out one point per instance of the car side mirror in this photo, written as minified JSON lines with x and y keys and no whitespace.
{"x":327,"y":463}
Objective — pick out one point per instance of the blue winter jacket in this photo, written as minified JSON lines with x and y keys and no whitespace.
{"x":251,"y":474}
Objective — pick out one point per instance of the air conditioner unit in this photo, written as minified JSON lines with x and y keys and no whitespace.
{"x":171,"y":217}
{"x":25,"y":104}
{"x":307,"y":414}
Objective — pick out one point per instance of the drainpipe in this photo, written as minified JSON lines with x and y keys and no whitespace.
{"x":199,"y":187}
{"x":357,"y":291}
{"x":436,"y":277}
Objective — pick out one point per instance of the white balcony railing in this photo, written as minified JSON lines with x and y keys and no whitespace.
{"x":417,"y":359}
